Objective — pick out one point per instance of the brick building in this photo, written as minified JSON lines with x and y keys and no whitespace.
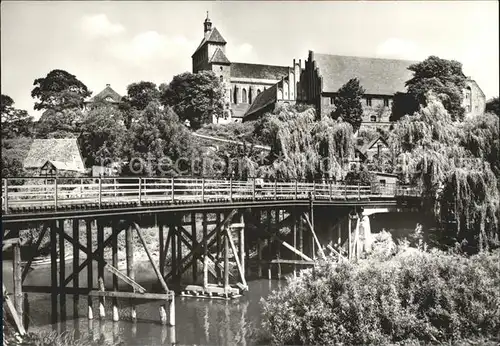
{"x":253,"y":89}
{"x":242,"y":82}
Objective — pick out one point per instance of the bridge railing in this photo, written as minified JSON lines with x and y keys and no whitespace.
{"x":43,"y":192}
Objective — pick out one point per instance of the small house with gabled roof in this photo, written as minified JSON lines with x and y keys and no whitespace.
{"x":107,"y":96}
{"x":54,"y":156}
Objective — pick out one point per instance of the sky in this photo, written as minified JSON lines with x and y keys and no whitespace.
{"x":122,"y":42}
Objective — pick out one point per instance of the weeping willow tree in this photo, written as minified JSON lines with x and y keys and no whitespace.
{"x":303,"y":148}
{"x":449,"y":161}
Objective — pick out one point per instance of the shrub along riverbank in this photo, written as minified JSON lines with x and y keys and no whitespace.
{"x":396,"y":295}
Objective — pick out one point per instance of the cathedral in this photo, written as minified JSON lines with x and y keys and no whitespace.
{"x":250,"y":90}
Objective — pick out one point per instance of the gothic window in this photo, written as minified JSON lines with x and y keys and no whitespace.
{"x":221,"y":68}
{"x":221,"y":79}
{"x":244,"y":96}
{"x":332,"y":100}
{"x":250,"y":95}
{"x":373,"y":118}
{"x":368,"y":101}
{"x":235,"y":99}
{"x":386,"y":102}
{"x":468,"y":99}
{"x":258,"y":91}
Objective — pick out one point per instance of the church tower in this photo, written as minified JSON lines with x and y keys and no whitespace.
{"x":211,"y":56}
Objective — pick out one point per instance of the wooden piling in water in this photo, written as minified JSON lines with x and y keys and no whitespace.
{"x":76,"y":263}
{"x":205,"y":252}
{"x":162,"y":244}
{"x":171,"y":309}
{"x":129,"y":253}
{"x":53,"y":271}
{"x":226,"y":264}
{"x":114,"y":231}
{"x":90,"y":277}
{"x":242,"y":244}
{"x":194,"y":243}
{"x":62,"y":271}
{"x":218,"y":250}
{"x":173,"y":260}
{"x":163,"y":315}
{"x":100,"y":267}
{"x":17,"y":273}
{"x":179,"y":254}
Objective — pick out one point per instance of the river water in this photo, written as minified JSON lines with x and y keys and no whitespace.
{"x":198,"y":321}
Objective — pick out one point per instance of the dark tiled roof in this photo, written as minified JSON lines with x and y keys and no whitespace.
{"x":219,"y":57}
{"x":376,"y":76}
{"x":63,"y":151}
{"x":257,"y":71}
{"x":107,"y":92}
{"x":264,"y":99}
{"x":213,"y":37}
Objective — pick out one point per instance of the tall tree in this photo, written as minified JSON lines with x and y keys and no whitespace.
{"x":59,"y":90}
{"x":15,"y":122}
{"x":157,"y":140}
{"x":102,"y":136}
{"x":139,"y":95}
{"x":194,"y":97}
{"x":451,"y":161}
{"x":403,"y":104}
{"x":444,"y":78}
{"x":348,"y":103}
{"x":493,"y":106}
{"x":59,"y":124}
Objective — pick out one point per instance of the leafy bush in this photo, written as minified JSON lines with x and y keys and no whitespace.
{"x":392,"y":296}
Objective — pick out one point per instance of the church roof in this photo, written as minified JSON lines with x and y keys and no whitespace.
{"x":60,"y":152}
{"x":258,"y":71}
{"x":264,"y":99}
{"x":377,"y":76}
{"x":213,"y":37}
{"x":107,"y":92}
{"x":219,"y":57}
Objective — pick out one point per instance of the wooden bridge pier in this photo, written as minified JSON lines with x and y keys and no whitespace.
{"x":62,"y":284}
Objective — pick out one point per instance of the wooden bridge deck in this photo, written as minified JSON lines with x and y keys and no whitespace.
{"x":85,"y":194}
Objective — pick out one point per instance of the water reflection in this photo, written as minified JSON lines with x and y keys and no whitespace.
{"x":199,"y":321}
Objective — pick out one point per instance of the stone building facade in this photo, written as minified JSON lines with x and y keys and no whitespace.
{"x":253,"y":89}
{"x":242,"y":82}
{"x":324,"y":74}
{"x":474,"y":100}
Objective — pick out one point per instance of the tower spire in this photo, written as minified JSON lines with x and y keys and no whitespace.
{"x":207,"y":26}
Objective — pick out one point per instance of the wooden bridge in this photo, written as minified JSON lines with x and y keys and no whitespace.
{"x":220,"y":230}
{"x":26,"y":197}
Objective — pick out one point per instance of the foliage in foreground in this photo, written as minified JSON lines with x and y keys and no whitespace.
{"x":396,"y":295}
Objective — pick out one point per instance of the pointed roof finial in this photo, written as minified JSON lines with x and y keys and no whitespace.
{"x":208,"y":19}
